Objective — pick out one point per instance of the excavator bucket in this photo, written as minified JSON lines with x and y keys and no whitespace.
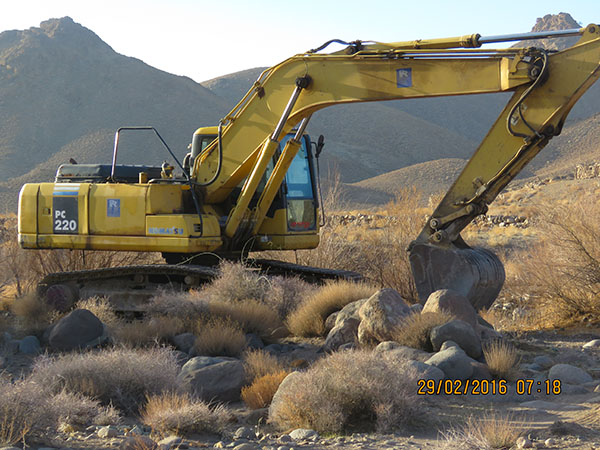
{"x":475,"y":273}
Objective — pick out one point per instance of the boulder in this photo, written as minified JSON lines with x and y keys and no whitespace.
{"x":380,"y":315}
{"x":78,"y":329}
{"x":425,"y":371}
{"x":480,"y":371}
{"x":253,"y":341}
{"x":345,"y":332}
{"x":454,"y":362}
{"x":460,"y":332}
{"x":447,"y":300}
{"x":449,"y":344}
{"x":592,"y":344}
{"x":350,"y":310}
{"x":330,"y":321}
{"x":285,"y":389}
{"x":487,"y":334}
{"x":569,"y":374}
{"x":214,"y":379}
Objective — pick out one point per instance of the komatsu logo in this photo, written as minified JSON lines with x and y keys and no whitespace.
{"x":404,"y":78}
{"x":171,"y":231}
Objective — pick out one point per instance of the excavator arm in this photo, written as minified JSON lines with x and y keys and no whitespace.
{"x":545,"y":85}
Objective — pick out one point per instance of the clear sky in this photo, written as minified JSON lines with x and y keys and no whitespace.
{"x":203,"y":39}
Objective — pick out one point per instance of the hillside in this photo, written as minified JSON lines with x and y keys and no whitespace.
{"x":64,"y":92}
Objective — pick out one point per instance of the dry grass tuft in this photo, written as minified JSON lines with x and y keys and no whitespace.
{"x":491,"y":431}
{"x":348,"y":391}
{"x":251,"y":316}
{"x":120,"y":376}
{"x":415,"y":330}
{"x":236,"y":283}
{"x":259,"y":363}
{"x":173,"y":412}
{"x":502,"y":359}
{"x":33,"y":314}
{"x":260,"y":393}
{"x":147,"y":332}
{"x":309,"y":318}
{"x":101,"y":308}
{"x":218,"y":337}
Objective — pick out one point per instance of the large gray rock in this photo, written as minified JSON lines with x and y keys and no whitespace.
{"x":344,"y":333}
{"x":349,"y":311}
{"x":286,"y":387}
{"x":78,"y":329}
{"x":544,"y":361}
{"x":380,"y":315}
{"x":447,"y":300}
{"x":214,"y":379}
{"x":454,"y":362}
{"x":184,"y":342}
{"x":426,"y":371}
{"x":567,"y":373}
{"x":460,"y":332}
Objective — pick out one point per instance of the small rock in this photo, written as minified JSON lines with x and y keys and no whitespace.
{"x":544,"y":361}
{"x":184,"y":342}
{"x":244,"y":433}
{"x":567,"y":373}
{"x":304,"y":434}
{"x":592,"y":344}
{"x":219,"y":379}
{"x":453,"y":362}
{"x":107,"y":432}
{"x":138,"y":442}
{"x":245,"y":446}
{"x":283,"y":447}
{"x":460,"y":332}
{"x":350,"y":310}
{"x":346,"y":332}
{"x":285,"y":438}
{"x":253,"y":341}
{"x":550,"y":442}
{"x":30,"y":345}
{"x":170,"y":442}
{"x":386,"y":346}
{"x":597,"y":388}
{"x":78,"y":329}
{"x":402,"y":353}
{"x":449,"y":344}
{"x":524,"y":442}
{"x":220,"y":444}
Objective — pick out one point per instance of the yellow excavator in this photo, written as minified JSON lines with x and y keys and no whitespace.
{"x":249,"y":183}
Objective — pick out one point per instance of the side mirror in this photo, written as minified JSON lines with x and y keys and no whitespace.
{"x":320,"y":144}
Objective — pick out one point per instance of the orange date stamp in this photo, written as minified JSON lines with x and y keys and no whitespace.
{"x":487,"y":387}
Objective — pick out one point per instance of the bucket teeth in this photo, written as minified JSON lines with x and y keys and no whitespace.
{"x":476,"y":273}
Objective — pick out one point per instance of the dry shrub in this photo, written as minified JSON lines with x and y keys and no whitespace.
{"x":309,"y":318}
{"x":251,"y":316}
{"x":286,"y":293}
{"x":33,"y":314}
{"x":119,"y":376}
{"x":173,"y":412}
{"x":218,"y":337}
{"x":186,"y":306}
{"x":346,"y":391}
{"x":492,"y":431}
{"x":415,"y":330}
{"x":101,"y":308}
{"x":378,"y":253}
{"x":260,"y":393}
{"x":258,"y":363}
{"x":27,"y":408}
{"x":502,"y":359}
{"x":148,"y":332}
{"x":236,"y":283}
{"x":562,"y":272}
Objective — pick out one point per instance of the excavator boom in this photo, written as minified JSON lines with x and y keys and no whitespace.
{"x":248,"y":183}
